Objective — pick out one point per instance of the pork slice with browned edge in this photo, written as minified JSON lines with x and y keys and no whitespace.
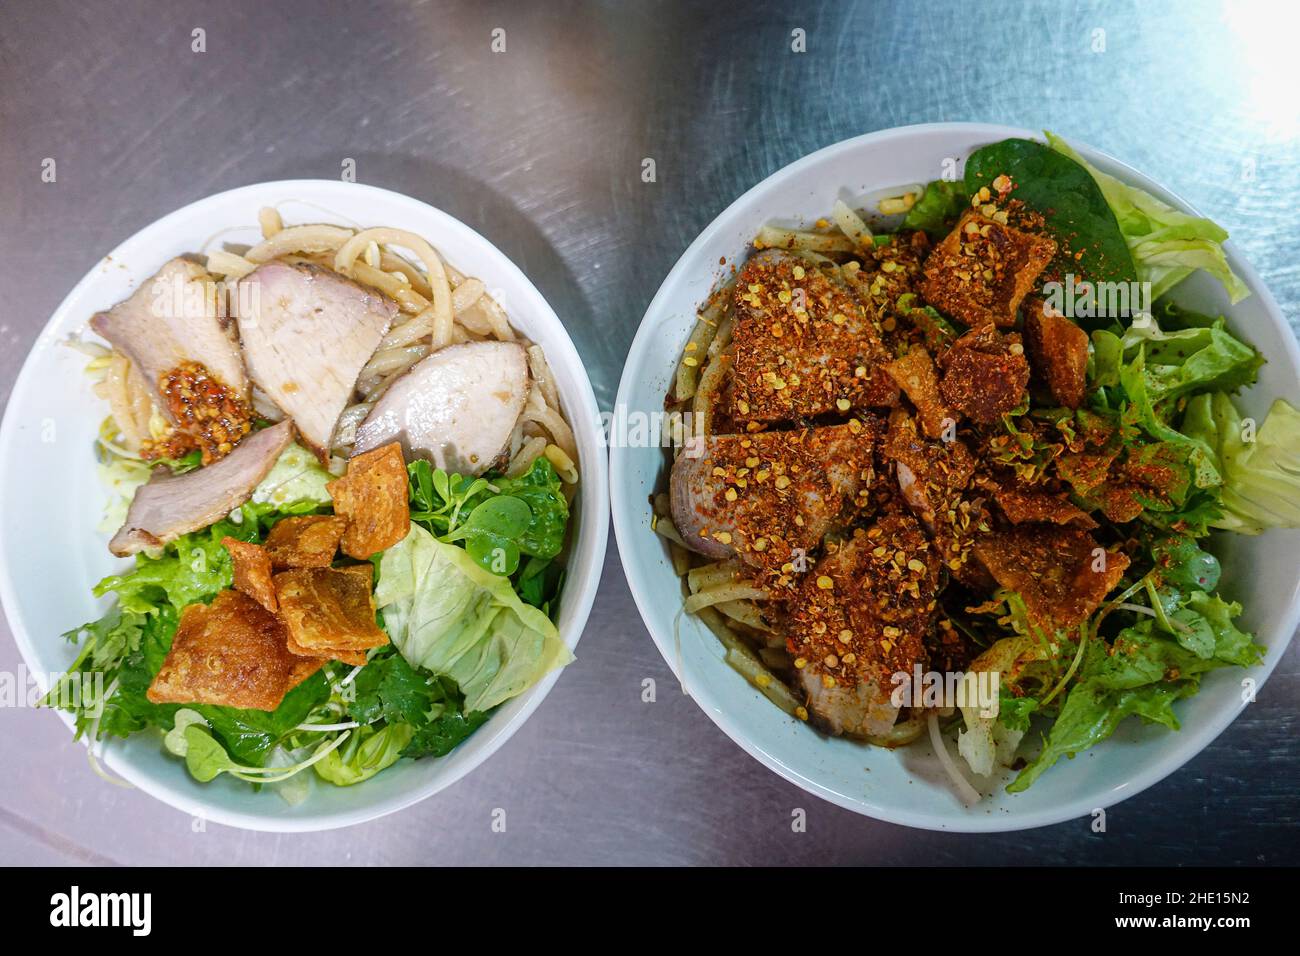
{"x":168,"y":505}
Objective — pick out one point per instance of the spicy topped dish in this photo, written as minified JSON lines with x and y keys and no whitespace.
{"x":953,"y":475}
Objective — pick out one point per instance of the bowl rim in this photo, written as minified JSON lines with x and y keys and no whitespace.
{"x":580,"y":592}
{"x":630,"y":534}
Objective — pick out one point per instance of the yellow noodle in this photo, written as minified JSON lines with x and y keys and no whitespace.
{"x":397,"y":290}
{"x":392,"y":262}
{"x":706,"y":396}
{"x":229,"y":264}
{"x":711,"y":575}
{"x":409,"y":331}
{"x":466,"y":294}
{"x":773,"y":237}
{"x":746,"y":613}
{"x":387,"y":361}
{"x":775,"y":658}
{"x":663,"y":526}
{"x":439,"y":314}
{"x":851,"y":224}
{"x":541,"y":371}
{"x":528,"y":453}
{"x":563,"y":464}
{"x":681,"y":557}
{"x":309,"y":239}
{"x":269,"y":219}
{"x":738,"y":591}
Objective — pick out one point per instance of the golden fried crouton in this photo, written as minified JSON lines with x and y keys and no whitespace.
{"x":1061,"y":573}
{"x":983,"y":269}
{"x":231,"y":653}
{"x":803,"y":345}
{"x":302,"y":668}
{"x":914,"y":372}
{"x":985,"y":374}
{"x":309,"y":541}
{"x":252,"y":568}
{"x":1029,"y":507}
{"x":328,"y":610}
{"x":1059,"y":350}
{"x":356,"y":658}
{"x":372,"y":496}
{"x":322,"y":654}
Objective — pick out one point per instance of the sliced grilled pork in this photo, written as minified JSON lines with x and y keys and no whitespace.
{"x":457,"y":408}
{"x":763,"y":495}
{"x":858,"y":710}
{"x":803,"y":345}
{"x":859,"y":619}
{"x":307,"y":334}
{"x":169,"y":506}
{"x":167,"y":323}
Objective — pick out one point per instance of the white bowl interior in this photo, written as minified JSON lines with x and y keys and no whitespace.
{"x":907,"y":786}
{"x":50,"y":556}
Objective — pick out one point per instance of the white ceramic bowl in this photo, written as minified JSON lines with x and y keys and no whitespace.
{"x":50,"y":555}
{"x":907,"y":786}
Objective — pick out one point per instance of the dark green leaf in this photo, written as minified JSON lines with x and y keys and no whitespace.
{"x":1067,"y":197}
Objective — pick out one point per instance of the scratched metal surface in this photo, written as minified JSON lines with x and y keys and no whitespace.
{"x":540,"y":149}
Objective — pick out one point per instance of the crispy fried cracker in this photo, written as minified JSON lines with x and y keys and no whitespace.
{"x":328,"y":611}
{"x":252,"y":567}
{"x":1061,"y":573}
{"x":372,"y":496}
{"x":983,"y":269}
{"x":231,"y":653}
{"x":915,"y":374}
{"x":310,"y":541}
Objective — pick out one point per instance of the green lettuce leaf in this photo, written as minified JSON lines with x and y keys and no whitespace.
{"x":1152,"y":419}
{"x":296,"y":479}
{"x":1166,"y":245}
{"x":498,"y":519}
{"x":1261,"y":478}
{"x":1142,"y":672}
{"x":368,"y":751}
{"x":1180,"y":561}
{"x":129,"y":643}
{"x":938,"y":209}
{"x":1199,"y":358}
{"x":449,"y":615}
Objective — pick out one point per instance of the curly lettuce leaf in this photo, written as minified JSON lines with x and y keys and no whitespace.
{"x":128,"y":644}
{"x":1197,"y":358}
{"x":1153,"y":419}
{"x":1142,"y":672}
{"x":449,"y":615}
{"x":1166,"y":245}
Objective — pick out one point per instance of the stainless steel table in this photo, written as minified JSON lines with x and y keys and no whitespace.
{"x":540,"y":148}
